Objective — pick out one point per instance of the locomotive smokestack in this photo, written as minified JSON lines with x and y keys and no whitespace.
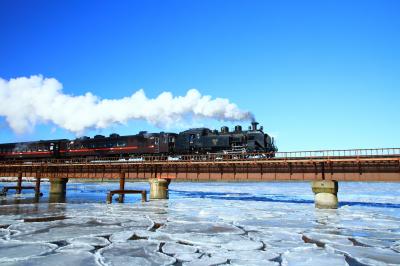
{"x":254,"y":125}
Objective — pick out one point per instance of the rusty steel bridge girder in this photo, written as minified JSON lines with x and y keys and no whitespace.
{"x":340,"y":168}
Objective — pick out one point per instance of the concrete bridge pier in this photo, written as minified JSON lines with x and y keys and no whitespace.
{"x":325,"y":194}
{"x":58,"y":189}
{"x":159,"y":188}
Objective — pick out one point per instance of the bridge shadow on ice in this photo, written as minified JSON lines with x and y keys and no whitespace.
{"x":271,"y":198}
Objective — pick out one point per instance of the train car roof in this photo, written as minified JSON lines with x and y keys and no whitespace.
{"x":35,"y":141}
{"x":141,"y":134}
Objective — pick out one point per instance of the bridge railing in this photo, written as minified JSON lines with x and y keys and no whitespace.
{"x":378,"y":152}
{"x":325,"y":154}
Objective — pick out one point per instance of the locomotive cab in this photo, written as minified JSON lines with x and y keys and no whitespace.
{"x":54,"y":148}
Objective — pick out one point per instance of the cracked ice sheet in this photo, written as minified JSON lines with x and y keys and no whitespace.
{"x":211,"y":225}
{"x":319,"y":238}
{"x":4,"y":233}
{"x":183,"y":253}
{"x":253,"y":256}
{"x":139,"y":252}
{"x":368,"y":255}
{"x":15,"y":250}
{"x":311,"y":256}
{"x":253,"y":263}
{"x":363,"y":241}
{"x":214,"y":240}
{"x":175,"y":248}
{"x":59,"y":259}
{"x":396,"y":246}
{"x":200,"y":228}
{"x":76,"y":247}
{"x":207,"y":261}
{"x":65,"y":232}
{"x":121,"y":236}
{"x":93,"y":241}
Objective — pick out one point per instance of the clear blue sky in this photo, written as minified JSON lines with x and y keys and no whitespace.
{"x":317,"y":74}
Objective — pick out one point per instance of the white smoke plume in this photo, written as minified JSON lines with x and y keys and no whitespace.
{"x":27,"y":101}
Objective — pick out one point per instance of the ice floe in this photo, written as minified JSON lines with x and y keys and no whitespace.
{"x":371,"y":242}
{"x":200,"y":227}
{"x":396,"y":247}
{"x":368,"y":255}
{"x":14,"y":250}
{"x":76,"y":247}
{"x":137,"y":252}
{"x":65,"y":232}
{"x":186,"y":257}
{"x":176,"y":248}
{"x":121,"y":236}
{"x":207,"y":261}
{"x":93,"y":241}
{"x":274,"y":234}
{"x":308,"y":256}
{"x":322,"y":239}
{"x":245,"y":262}
{"x":251,"y":256}
{"x":243,"y":244}
{"x":58,"y":259}
{"x":4,"y":233}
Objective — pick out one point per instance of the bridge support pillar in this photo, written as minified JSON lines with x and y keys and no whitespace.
{"x":58,"y":189}
{"x":159,"y":188}
{"x":121,"y":187}
{"x":37,"y":186}
{"x":19,"y":184}
{"x":325,"y":194}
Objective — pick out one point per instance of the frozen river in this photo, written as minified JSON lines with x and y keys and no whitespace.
{"x":204,"y":224}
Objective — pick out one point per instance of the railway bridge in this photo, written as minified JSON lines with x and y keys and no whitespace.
{"x":324,"y":168}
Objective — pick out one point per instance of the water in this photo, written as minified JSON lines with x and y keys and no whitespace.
{"x":204,"y":224}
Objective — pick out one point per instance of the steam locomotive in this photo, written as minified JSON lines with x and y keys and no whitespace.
{"x":192,"y":141}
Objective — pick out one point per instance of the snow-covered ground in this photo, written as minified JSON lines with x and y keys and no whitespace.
{"x":204,"y":224}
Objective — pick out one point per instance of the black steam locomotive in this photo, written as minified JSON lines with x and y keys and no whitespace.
{"x":192,"y":141}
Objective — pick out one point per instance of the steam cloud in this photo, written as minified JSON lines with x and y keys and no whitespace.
{"x":27,"y":101}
